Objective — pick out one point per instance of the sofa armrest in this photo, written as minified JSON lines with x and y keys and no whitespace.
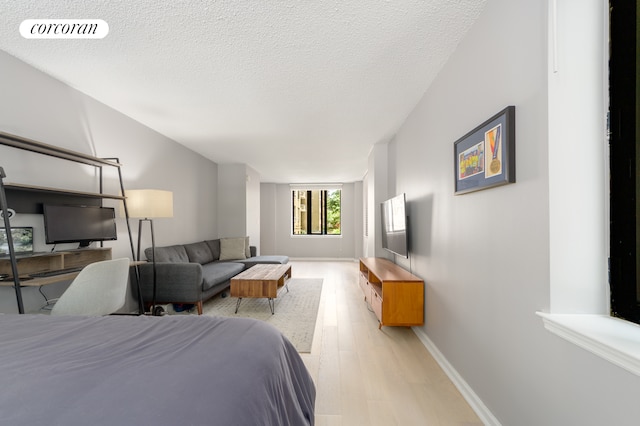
{"x":175,"y":282}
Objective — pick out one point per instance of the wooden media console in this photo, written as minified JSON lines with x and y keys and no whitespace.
{"x":395,"y":295}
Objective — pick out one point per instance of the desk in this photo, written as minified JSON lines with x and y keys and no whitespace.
{"x":54,"y":261}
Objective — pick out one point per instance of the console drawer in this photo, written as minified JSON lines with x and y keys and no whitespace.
{"x":364,"y":283}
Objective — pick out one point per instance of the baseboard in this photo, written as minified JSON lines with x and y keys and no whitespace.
{"x":468,"y":394}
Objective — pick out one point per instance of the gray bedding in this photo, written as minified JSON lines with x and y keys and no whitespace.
{"x":172,"y":370}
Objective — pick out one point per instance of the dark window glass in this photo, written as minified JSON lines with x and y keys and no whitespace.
{"x":623,"y":145}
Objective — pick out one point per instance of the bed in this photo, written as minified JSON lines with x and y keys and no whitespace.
{"x":173,"y":370}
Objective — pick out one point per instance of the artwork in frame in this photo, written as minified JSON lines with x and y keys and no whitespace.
{"x":486,"y":156}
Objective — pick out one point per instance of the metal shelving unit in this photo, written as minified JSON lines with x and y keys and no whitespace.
{"x":29,"y":199}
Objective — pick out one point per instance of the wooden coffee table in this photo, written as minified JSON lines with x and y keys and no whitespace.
{"x":260,"y":281}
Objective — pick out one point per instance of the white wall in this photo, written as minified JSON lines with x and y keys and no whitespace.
{"x":275,"y":207}
{"x":486,"y":256}
{"x":268,"y":220}
{"x":358,"y":219}
{"x":377,"y":187}
{"x":253,"y":208}
{"x":231,"y":214}
{"x":238,"y":212}
{"x":41,"y":108}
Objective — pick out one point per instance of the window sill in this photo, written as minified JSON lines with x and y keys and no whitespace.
{"x":316,"y":236}
{"x":614,"y":339}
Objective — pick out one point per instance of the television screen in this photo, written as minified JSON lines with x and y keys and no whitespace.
{"x":22,"y":240}
{"x":394,"y":226}
{"x":78,"y":224}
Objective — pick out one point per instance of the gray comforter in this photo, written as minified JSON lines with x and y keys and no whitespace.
{"x":177,"y":370}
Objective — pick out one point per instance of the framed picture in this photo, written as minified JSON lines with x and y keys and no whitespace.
{"x":486,"y":156}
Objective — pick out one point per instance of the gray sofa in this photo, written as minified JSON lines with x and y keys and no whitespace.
{"x":192,"y":273}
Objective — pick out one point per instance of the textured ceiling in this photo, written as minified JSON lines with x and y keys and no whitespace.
{"x":298,"y":90}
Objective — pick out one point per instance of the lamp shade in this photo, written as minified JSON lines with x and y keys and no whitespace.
{"x":149,"y":203}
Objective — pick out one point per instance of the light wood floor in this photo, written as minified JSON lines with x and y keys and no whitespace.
{"x":366,"y":376}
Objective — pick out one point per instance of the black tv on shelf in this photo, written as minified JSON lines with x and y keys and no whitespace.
{"x":394,"y":225}
{"x":78,"y":224}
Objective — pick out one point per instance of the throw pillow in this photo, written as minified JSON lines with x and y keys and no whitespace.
{"x":232,"y":248}
{"x":247,"y":249}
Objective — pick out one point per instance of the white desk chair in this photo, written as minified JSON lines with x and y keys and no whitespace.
{"x":99,"y":289}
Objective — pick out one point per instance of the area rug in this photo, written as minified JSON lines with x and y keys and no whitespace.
{"x":295,"y":310}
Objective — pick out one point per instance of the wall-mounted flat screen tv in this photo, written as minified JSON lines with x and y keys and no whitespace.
{"x":78,"y":224}
{"x":394,"y":226}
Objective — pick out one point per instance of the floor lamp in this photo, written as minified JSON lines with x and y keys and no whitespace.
{"x":146,"y":205}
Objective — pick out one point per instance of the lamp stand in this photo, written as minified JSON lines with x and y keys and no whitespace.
{"x":156,"y":311}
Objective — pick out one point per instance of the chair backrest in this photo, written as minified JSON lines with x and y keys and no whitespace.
{"x":99,"y":289}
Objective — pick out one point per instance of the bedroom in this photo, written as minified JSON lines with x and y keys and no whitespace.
{"x":486,"y":329}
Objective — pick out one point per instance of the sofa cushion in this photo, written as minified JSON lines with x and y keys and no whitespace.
{"x":199,"y":253}
{"x":274,"y":259}
{"x":233,"y":248}
{"x":214,"y":246}
{"x":175,"y":254}
{"x":219,"y":272}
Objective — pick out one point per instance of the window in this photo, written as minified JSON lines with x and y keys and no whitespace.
{"x":624,"y":259}
{"x":316,"y":211}
{"x":579,"y":312}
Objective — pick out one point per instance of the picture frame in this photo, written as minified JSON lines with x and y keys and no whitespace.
{"x":486,"y":156}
